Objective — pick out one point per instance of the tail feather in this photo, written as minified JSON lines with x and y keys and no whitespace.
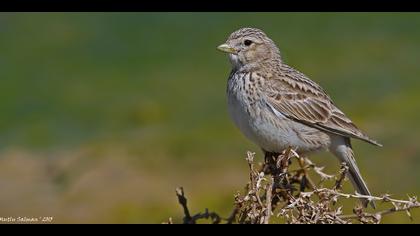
{"x":341,"y":147}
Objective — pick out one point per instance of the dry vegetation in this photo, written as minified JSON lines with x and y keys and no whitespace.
{"x":277,"y":193}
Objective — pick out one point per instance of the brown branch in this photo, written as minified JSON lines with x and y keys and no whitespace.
{"x":232,"y":215}
{"x":188,"y":219}
{"x":268,"y":200}
{"x":381,"y":213}
{"x":216,"y":219}
{"x":183,"y":201}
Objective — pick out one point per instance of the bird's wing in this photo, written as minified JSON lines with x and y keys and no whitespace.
{"x":295,"y":96}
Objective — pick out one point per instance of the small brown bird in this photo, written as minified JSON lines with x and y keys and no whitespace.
{"x":277,"y":107}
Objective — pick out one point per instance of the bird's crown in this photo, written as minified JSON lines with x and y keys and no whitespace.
{"x":244,"y":32}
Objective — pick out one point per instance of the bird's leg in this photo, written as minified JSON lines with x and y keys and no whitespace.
{"x":277,"y":165}
{"x":266,"y":156}
{"x":308,"y":181}
{"x":273,"y":163}
{"x":269,"y":161}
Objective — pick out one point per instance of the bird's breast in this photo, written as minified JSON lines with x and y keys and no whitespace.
{"x":241,"y":104}
{"x":250,"y":113}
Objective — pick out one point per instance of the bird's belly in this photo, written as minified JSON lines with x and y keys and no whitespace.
{"x":272,"y":132}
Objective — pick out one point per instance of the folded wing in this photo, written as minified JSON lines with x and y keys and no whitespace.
{"x":302,"y":100}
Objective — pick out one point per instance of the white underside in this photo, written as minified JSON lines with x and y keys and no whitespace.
{"x":272,"y":131}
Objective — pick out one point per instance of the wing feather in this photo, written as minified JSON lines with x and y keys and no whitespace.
{"x":299,"y":98}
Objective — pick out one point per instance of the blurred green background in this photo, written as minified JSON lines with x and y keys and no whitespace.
{"x":103,"y":115}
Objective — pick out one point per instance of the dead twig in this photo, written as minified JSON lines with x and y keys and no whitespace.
{"x":183,"y":201}
{"x":291,"y":195}
{"x":188,"y":219}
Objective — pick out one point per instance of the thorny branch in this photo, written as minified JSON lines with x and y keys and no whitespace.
{"x":276,"y":193}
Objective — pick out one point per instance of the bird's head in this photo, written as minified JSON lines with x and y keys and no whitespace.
{"x":249,"y":46}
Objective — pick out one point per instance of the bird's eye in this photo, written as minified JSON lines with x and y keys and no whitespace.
{"x":247,"y":42}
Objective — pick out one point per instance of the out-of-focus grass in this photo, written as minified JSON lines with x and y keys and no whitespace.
{"x":104,"y":114}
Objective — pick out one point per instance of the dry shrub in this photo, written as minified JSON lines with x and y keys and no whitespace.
{"x":277,"y":191}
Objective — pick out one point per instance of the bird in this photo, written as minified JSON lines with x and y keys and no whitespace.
{"x":276,"y":107}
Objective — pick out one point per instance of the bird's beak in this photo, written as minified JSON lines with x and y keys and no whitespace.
{"x":226,"y":48}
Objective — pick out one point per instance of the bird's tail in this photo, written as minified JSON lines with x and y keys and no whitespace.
{"x":341,"y":148}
